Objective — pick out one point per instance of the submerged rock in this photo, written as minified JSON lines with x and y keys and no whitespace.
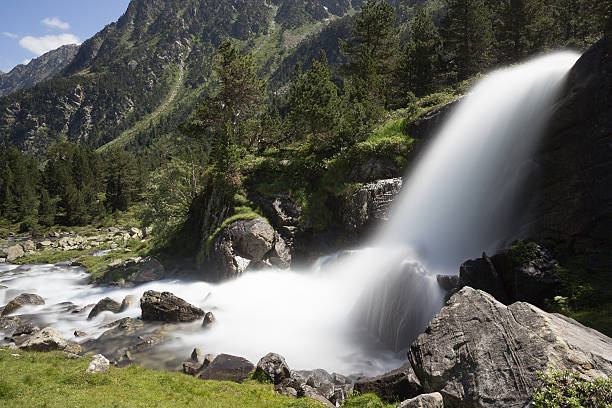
{"x":228,"y":368}
{"x":397,"y":385}
{"x":22,"y":300}
{"x":165,"y":307}
{"x":479,"y":353}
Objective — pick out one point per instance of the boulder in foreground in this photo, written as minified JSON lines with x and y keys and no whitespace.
{"x":397,"y":385}
{"x":228,"y":368}
{"x":479,"y":353}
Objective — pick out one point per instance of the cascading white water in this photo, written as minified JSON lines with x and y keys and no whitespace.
{"x":459,"y":201}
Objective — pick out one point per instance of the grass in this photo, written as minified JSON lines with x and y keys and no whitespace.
{"x":53,"y":256}
{"x":240,"y":213}
{"x":51,"y":380}
{"x":366,"y":401}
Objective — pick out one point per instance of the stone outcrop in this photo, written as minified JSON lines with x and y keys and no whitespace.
{"x":165,"y":307}
{"x":245,"y":245}
{"x":479,"y":353}
{"x":22,"y":300}
{"x":274,"y":367}
{"x":433,"y":400}
{"x":397,"y":385}
{"x":573,"y":208}
{"x":370,"y":204}
{"x":104,"y":305}
{"x":227,"y":368}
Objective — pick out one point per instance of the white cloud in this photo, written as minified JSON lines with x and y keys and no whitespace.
{"x":55,"y":22}
{"x":10,"y":35}
{"x":42,"y":45}
{"x":26,"y":61}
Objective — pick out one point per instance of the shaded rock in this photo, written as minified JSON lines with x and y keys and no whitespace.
{"x":373,"y":169}
{"x":281,"y":210}
{"x":47,"y":339}
{"x":22,"y":300}
{"x":368,"y":205}
{"x":481,"y":274}
{"x":479,"y":353}
{"x":448,"y":282}
{"x":209,"y":319}
{"x":196,"y":355}
{"x":228,"y":368}
{"x":104,"y":305}
{"x":433,"y":400}
{"x":14,"y":252}
{"x":150,"y":269}
{"x":396,"y":385}
{"x":280,"y":255}
{"x":426,"y":126}
{"x":192,"y":368}
{"x":166,"y":307}
{"x":99,"y":364}
{"x":274,"y":367}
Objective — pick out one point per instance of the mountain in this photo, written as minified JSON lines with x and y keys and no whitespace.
{"x":38,"y":70}
{"x":140,"y":77}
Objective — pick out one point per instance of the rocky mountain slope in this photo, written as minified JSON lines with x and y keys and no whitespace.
{"x":149,"y":68}
{"x":38,"y":70}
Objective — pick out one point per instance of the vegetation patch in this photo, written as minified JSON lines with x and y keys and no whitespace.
{"x":523,"y":252}
{"x":565,"y":389}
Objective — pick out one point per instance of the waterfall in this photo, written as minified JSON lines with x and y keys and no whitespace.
{"x":352,"y":313}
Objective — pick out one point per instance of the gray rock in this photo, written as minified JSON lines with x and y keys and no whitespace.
{"x":196,"y":356}
{"x":22,"y":300}
{"x":280,"y":255}
{"x":397,"y":385}
{"x":25,"y":328}
{"x":274,"y":367}
{"x":433,"y":400}
{"x":150,"y":269}
{"x":8,"y":324}
{"x":28,"y":246}
{"x":14,"y":252}
{"x":47,"y":339}
{"x":209,"y":319}
{"x":104,"y":305}
{"x":99,"y":364}
{"x":369,"y":204}
{"x":282,"y":210}
{"x":228,"y":368}
{"x":166,"y":307}
{"x":479,"y":353}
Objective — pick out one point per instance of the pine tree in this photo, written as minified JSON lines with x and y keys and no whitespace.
{"x":468,"y":35}
{"x":46,"y":209}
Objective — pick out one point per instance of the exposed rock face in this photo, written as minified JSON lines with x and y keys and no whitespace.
{"x":22,"y":300}
{"x":369,"y":204}
{"x":104,"y":305}
{"x":282,"y":210}
{"x":228,"y":368}
{"x":396,"y":385}
{"x":246,"y":244}
{"x":574,"y":205}
{"x":48,"y":339}
{"x":165,"y":307}
{"x":39,"y":69}
{"x":150,"y":270}
{"x":274,"y":367}
{"x":99,"y":364}
{"x":433,"y":400}
{"x":479,"y":353}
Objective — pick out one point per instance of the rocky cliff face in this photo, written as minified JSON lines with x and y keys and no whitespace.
{"x":38,"y":70}
{"x":574,"y":205}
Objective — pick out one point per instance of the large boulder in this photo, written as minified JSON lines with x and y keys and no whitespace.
{"x":104,"y":305}
{"x":165,"y":307}
{"x":22,"y":300}
{"x":573,"y":208}
{"x":228,"y":368}
{"x":433,"y":400}
{"x":47,"y":339}
{"x":14,"y":252}
{"x":397,"y":385}
{"x":274,"y":367}
{"x":244,"y":245}
{"x":369,"y":205}
{"x":479,"y":353}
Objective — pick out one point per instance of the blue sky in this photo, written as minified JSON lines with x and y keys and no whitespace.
{"x":29,"y":28}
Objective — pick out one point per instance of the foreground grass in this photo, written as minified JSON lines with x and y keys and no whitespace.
{"x":51,"y":380}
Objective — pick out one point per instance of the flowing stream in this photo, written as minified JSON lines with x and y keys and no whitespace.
{"x":358,"y":312}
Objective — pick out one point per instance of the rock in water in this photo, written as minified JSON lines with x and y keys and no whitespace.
{"x":22,"y":300}
{"x":433,"y":400}
{"x":48,"y":339}
{"x":99,"y":364}
{"x":479,"y":353}
{"x":228,"y":368}
{"x":209,"y":319}
{"x":274,"y":367}
{"x":165,"y":307}
{"x":105,"y":305}
{"x":396,"y":385}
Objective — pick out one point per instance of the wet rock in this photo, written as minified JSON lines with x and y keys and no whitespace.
{"x":8,"y":324}
{"x":78,"y":333}
{"x":166,"y":307}
{"x":47,"y":339}
{"x":396,"y":385}
{"x":14,"y":252}
{"x":228,"y":368}
{"x":274,"y":367}
{"x":22,"y":300}
{"x":104,"y":305}
{"x":479,"y":353}
{"x":209,"y":320}
{"x":150,"y":269}
{"x":433,"y":400}
{"x":196,"y":356}
{"x":99,"y":364}
{"x":127,"y":303}
{"x":25,"y":328}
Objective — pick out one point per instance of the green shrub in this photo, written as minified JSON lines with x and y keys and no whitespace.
{"x":565,"y":389}
{"x":522,"y":252}
{"x":366,"y":401}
